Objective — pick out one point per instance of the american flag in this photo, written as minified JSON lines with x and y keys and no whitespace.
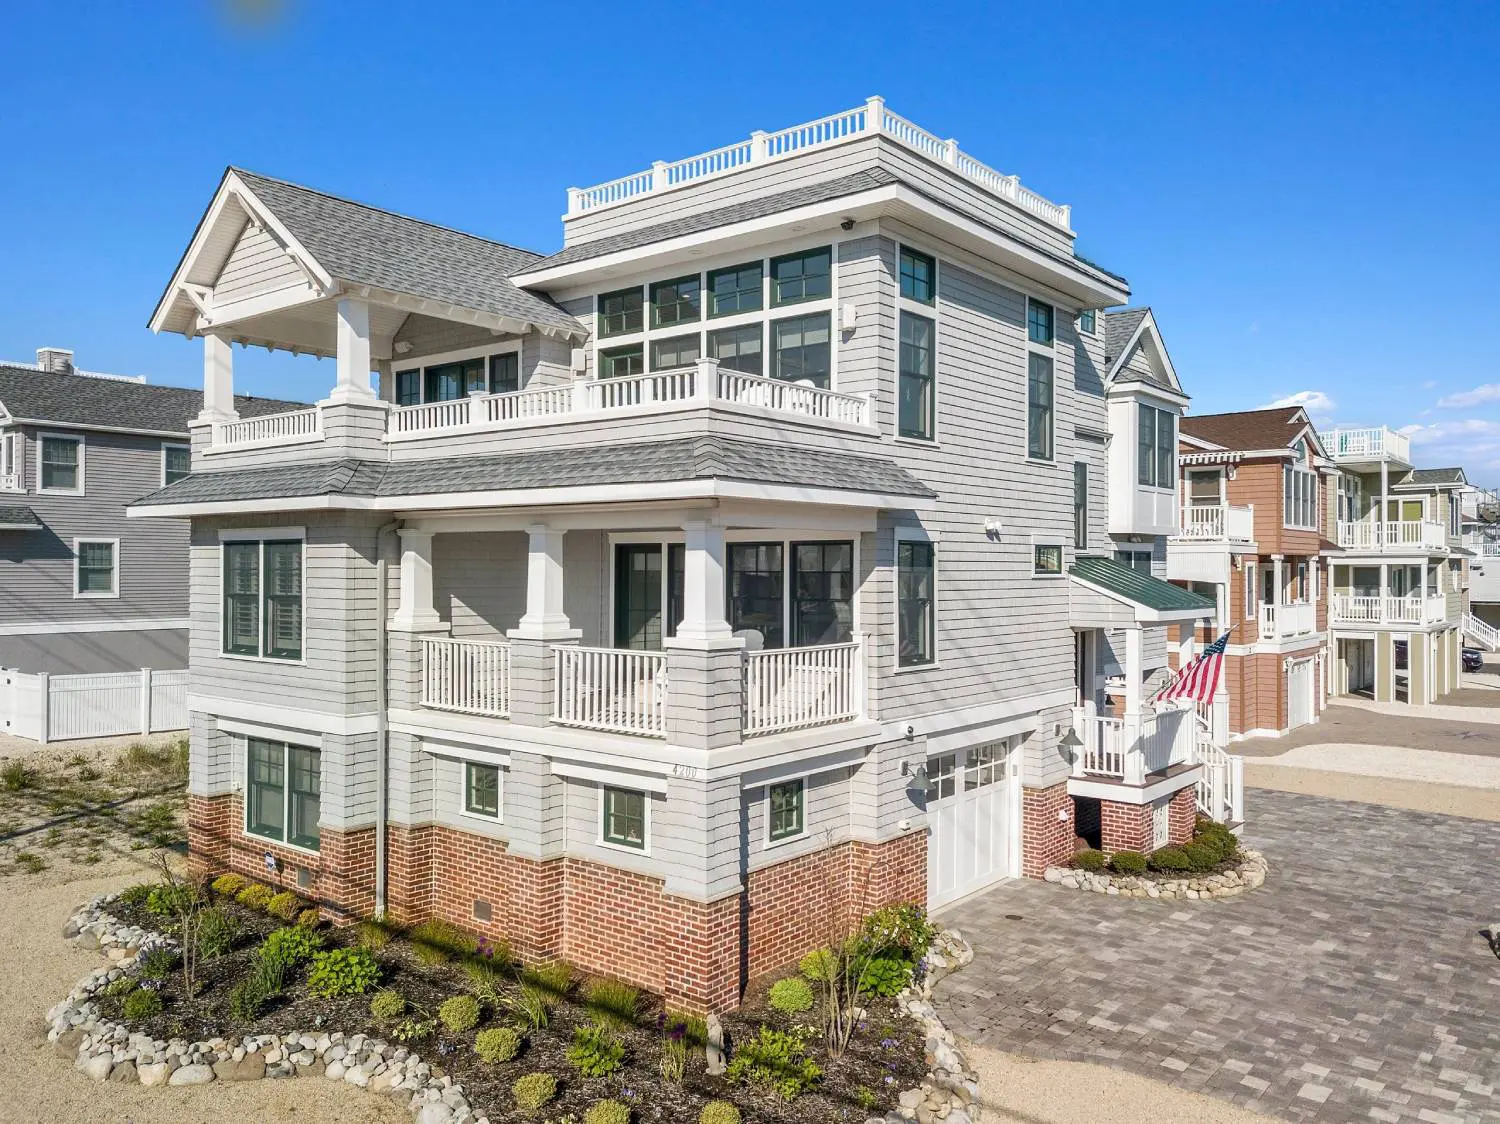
{"x":1200,"y":678}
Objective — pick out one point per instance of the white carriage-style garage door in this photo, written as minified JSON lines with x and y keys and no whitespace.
{"x":1299,"y":693}
{"x":970,"y":820}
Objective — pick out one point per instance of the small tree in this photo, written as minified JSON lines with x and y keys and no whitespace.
{"x":187,"y":902}
{"x":838,"y":968}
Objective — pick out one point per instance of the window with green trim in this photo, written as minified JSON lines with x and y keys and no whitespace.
{"x":1039,"y":322}
{"x":735,"y":289}
{"x":918,"y":276}
{"x":622,"y":362}
{"x":1046,"y":559}
{"x":283,"y":786}
{"x":915,"y":602}
{"x":800,"y":349}
{"x":675,"y":302}
{"x":1039,"y":407}
{"x":804,"y":276}
{"x":784,"y":810}
{"x":1088,"y":321}
{"x":917,"y":384}
{"x":621,"y":312}
{"x":624,"y":817}
{"x":482,"y":789}
{"x":409,"y":387}
{"x":675,"y":351}
{"x":738,"y":349}
{"x":262,"y":600}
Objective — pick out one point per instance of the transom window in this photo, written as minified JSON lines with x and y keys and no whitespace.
{"x":262,"y":607}
{"x":61,"y":464}
{"x":95,"y":565}
{"x":800,"y":349}
{"x":482,"y":789}
{"x":915,"y":602}
{"x":1156,"y":448}
{"x":624,"y":814}
{"x":803,"y":276}
{"x":1046,"y":559}
{"x":499,"y":373}
{"x":1039,"y":407}
{"x":1299,"y":495}
{"x":621,"y":312}
{"x":1039,"y":322}
{"x":733,"y":290}
{"x":785,"y":810}
{"x":283,"y":792}
{"x":917,"y":382}
{"x":176,"y":463}
{"x":918,"y":276}
{"x":675,"y":302}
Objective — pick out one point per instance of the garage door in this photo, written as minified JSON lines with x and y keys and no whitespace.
{"x":1299,"y":693}
{"x":969,"y":820}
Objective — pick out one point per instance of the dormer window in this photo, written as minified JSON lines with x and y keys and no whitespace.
{"x":1156,"y":444}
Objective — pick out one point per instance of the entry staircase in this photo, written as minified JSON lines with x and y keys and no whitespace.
{"x":1487,"y":636}
{"x":1221,"y":789}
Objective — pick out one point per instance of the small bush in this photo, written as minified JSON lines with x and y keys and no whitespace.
{"x":137,"y":894}
{"x":486,"y":980}
{"x":533,"y":1091}
{"x":1089,"y":860}
{"x":255,"y":896}
{"x":818,"y":966}
{"x":1168,"y":860}
{"x":612,"y":1003}
{"x":285,"y":905}
{"x":156,"y":963}
{"x":551,"y":978}
{"x":387,"y":1007}
{"x":1218,"y":837}
{"x":497,"y":1044}
{"x":249,"y":997}
{"x":437,"y":942}
{"x":595,"y":1051}
{"x":217,"y":932}
{"x":904,"y":928}
{"x":884,"y":976}
{"x":343,"y":971}
{"x":1201,"y":857}
{"x":791,"y":996}
{"x":719,"y":1112}
{"x":309,"y":919}
{"x":607,"y":1112}
{"x":15,"y":776}
{"x":413,"y":1030}
{"x":228,"y":885}
{"x":775,"y":1060}
{"x":120,"y":985}
{"x":374,"y":934}
{"x":531,"y":1006}
{"x":459,"y":1014}
{"x":169,"y":900}
{"x":1127,"y":862}
{"x":290,"y":946}
{"x":141,"y":1003}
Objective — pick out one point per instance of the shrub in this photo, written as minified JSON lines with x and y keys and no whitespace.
{"x":285,"y":905}
{"x":1127,"y":862}
{"x":141,"y":1003}
{"x":551,"y":979}
{"x":120,"y":985}
{"x":1220,"y":838}
{"x":251,"y":994}
{"x":486,"y":979}
{"x":228,"y":885}
{"x":309,"y":919}
{"x":818,"y":965}
{"x":343,"y":971}
{"x":497,"y":1044}
{"x":900,"y":927}
{"x":533,"y":1091}
{"x":387,"y":1007}
{"x":884,"y":976}
{"x":437,"y":942}
{"x":137,"y":894}
{"x":374,"y":934}
{"x":217,"y":932}
{"x":595,"y":1051}
{"x":255,"y":896}
{"x":459,"y":1014}
{"x":1201,"y":857}
{"x":412,"y":1030}
{"x":611,"y":1002}
{"x":774,"y":1059}
{"x":719,"y":1112}
{"x":1089,"y":860}
{"x":169,"y":900}
{"x":531,"y":1006}
{"x":290,"y":946}
{"x":156,"y":963}
{"x":15,"y":776}
{"x":607,"y":1112}
{"x":1168,"y":860}
{"x":791,"y":996}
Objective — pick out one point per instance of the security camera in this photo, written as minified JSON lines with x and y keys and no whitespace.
{"x":847,"y":224}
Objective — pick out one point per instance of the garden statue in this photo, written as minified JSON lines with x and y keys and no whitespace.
{"x":713,"y":1048}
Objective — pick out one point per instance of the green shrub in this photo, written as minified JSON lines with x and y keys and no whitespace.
{"x":1127,"y":862}
{"x":884,"y":976}
{"x":1201,"y":857}
{"x":373,"y":934}
{"x":595,"y":1051}
{"x":228,"y":885}
{"x":1168,"y":860}
{"x":903,"y":928}
{"x":169,"y":899}
{"x":459,"y":1014}
{"x":486,"y":980}
{"x":551,"y":978}
{"x":497,"y":1044}
{"x":120,"y":985}
{"x":387,"y":1007}
{"x":533,"y":1091}
{"x":290,"y":946}
{"x":217,"y":932}
{"x":413,"y":1030}
{"x":674,"y":1051}
{"x":719,"y":1112}
{"x":1090,"y":860}
{"x":157,"y":963}
{"x":1220,"y":838}
{"x":141,"y":1003}
{"x":249,"y":997}
{"x":776,"y":1060}
{"x":437,"y":942}
{"x":255,"y":896}
{"x":611,"y":1002}
{"x":309,"y":918}
{"x":818,"y":965}
{"x":791,"y":996}
{"x":607,"y":1112}
{"x":137,"y":894}
{"x":342,"y":971}
{"x":285,"y":905}
{"x":531,"y":1006}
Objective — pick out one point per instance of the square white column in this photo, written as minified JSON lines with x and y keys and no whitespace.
{"x":704,"y":624}
{"x":416,"y":611}
{"x":218,"y":381}
{"x":1134,"y":660}
{"x":353,"y":356}
{"x":545,"y":619}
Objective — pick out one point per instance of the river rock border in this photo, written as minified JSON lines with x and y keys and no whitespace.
{"x":108,"y":1051}
{"x":1249,"y":875}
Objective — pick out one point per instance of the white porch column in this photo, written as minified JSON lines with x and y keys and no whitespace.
{"x":416,"y":611}
{"x":1186,"y":644}
{"x":354,"y":362}
{"x":703,"y":620}
{"x":1385,"y":480}
{"x":545,"y":619}
{"x":1135,"y":754}
{"x":1384,"y":591}
{"x":218,"y":380}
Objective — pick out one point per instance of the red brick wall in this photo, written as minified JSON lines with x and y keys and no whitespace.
{"x":1046,"y":840}
{"x":1183,"y":815}
{"x":1124,"y":827}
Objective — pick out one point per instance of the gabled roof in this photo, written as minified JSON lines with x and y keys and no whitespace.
{"x":18,"y":517}
{"x":1432,"y":476}
{"x":1251,"y":430}
{"x":63,"y":400}
{"x":1128,"y":584}
{"x":1132,"y":330}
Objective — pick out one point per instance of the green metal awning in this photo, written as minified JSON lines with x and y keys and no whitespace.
{"x":1152,"y":598}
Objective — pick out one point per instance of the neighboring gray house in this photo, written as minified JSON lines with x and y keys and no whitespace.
{"x":81,"y":589}
{"x":740,"y":567}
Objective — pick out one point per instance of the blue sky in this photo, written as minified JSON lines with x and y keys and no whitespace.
{"x":1304,"y":193}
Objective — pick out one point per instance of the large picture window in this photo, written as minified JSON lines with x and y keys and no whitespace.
{"x":499,"y":373}
{"x":262,"y":600}
{"x":822,"y":593}
{"x":1299,"y":489}
{"x":1039,"y":407}
{"x":738,"y":349}
{"x":283,"y":792}
{"x":1156,"y":447}
{"x":915,"y":602}
{"x":674,"y":351}
{"x":916,"y":390}
{"x":800,"y":351}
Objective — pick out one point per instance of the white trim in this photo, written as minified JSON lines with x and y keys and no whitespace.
{"x":286,"y":797}
{"x":292,"y":718}
{"x":165,"y":445}
{"x":289,"y":734}
{"x":1062,"y":552}
{"x":601,"y":841}
{"x":457,"y":751}
{"x":463,"y":790}
{"x":63,"y":628}
{"x":114,"y":574}
{"x":253,"y":533}
{"x":909,"y":533}
{"x":41,"y":438}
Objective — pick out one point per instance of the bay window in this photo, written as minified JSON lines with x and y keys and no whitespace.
{"x":1156,"y":447}
{"x":1299,"y":497}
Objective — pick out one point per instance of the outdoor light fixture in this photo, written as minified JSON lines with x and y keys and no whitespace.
{"x":1070,"y":741}
{"x":917,"y":785}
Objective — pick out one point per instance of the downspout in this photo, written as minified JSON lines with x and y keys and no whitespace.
{"x":382,"y":703}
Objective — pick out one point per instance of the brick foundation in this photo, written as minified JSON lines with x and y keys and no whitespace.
{"x":1047,"y":839}
{"x":1183,"y":815}
{"x":1127,"y":827}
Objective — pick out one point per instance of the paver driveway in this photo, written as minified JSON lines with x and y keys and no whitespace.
{"x":1353,"y":986}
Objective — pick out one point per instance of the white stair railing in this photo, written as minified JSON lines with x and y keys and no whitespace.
{"x":1485,"y":635}
{"x":1220,"y":791}
{"x":620,"y":690}
{"x":470,"y":676}
{"x":791,"y":688}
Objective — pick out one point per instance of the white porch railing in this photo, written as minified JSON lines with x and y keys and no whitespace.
{"x":675,"y":385}
{"x":480,"y":410}
{"x":790,"y":688}
{"x":1389,"y":609}
{"x":621,"y":690}
{"x":290,"y":428}
{"x":1404,"y":534}
{"x":1221,"y":789}
{"x":1483,"y":634}
{"x":1103,"y":752}
{"x":1372,"y":443}
{"x":1166,"y":739}
{"x":793,"y":398}
{"x":1218,"y":522}
{"x":1482,"y":546}
{"x":1288,"y":619}
{"x":469,"y":676}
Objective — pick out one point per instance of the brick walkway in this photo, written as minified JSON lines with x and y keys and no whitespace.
{"x":1353,"y":986}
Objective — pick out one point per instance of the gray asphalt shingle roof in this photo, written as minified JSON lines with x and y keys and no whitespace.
{"x":1118,"y":328}
{"x":694,"y":458}
{"x":368,"y":246}
{"x":18,"y":515}
{"x":1130,"y":583}
{"x":63,"y":400}
{"x":1435,"y":476}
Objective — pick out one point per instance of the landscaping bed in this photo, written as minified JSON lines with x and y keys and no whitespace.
{"x":1211,"y":865}
{"x":433,"y":966}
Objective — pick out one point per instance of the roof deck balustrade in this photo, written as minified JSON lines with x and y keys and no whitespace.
{"x":1373,"y":443}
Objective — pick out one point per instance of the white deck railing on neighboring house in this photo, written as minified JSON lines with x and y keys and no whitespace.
{"x":1390,"y":609}
{"x":1371,"y":443}
{"x":790,"y":688}
{"x":1297,"y":618}
{"x":620,"y":690}
{"x":290,"y":428}
{"x":1218,"y":522}
{"x":870,"y":119}
{"x":1481,"y":632}
{"x":1402,"y":534}
{"x":469,"y":676}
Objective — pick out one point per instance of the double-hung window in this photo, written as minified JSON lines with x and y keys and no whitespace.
{"x":1087,"y":322}
{"x":917,"y":379}
{"x":804,"y":276}
{"x":1250,"y":591}
{"x":1080,"y":505}
{"x":916,"y":602}
{"x":176,"y":462}
{"x":61,"y":464}
{"x":10,"y":463}
{"x":95,"y":572}
{"x":1299,"y":497}
{"x":675,"y":302}
{"x":1039,"y":406}
{"x":621,"y":312}
{"x":283,"y":792}
{"x":262,"y":603}
{"x":624,"y":818}
{"x":1156,"y":447}
{"x":1039,"y":322}
{"x":785,"y":810}
{"x":800,"y":349}
{"x":734,"y":290}
{"x":482,"y":790}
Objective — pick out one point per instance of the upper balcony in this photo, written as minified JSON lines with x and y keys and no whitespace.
{"x":1369,"y":447}
{"x":1403,"y":536}
{"x":1351,"y":610}
{"x":1217,"y":523}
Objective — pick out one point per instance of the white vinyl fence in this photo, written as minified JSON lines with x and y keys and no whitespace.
{"x":54,"y":708}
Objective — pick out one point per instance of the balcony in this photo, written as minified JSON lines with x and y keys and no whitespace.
{"x":1390,"y":609}
{"x":295,"y":427}
{"x":1482,"y":546}
{"x":1404,"y":535}
{"x":1111,"y":750}
{"x":1217,"y":523}
{"x":1296,"y":618}
{"x":1369,"y":445}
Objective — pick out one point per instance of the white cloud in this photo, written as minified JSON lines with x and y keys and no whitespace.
{"x":1466,"y":430}
{"x":1312,"y":400}
{"x":1489,"y":392}
{"x":1430,"y":384}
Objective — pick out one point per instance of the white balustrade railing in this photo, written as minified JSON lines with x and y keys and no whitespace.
{"x":872,"y":118}
{"x":675,"y":385}
{"x":292,"y":427}
{"x":1481,"y":632}
{"x":621,"y":690}
{"x":1371,"y":443}
{"x":1166,"y":739}
{"x":1396,"y":534}
{"x":1294,"y":618}
{"x":1220,"y":791}
{"x":793,"y":398}
{"x":1390,"y":609}
{"x":790,"y":688}
{"x":1103,"y":750}
{"x":1218,"y":521}
{"x":470,"y":676}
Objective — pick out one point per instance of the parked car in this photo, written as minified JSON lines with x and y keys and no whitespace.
{"x":1473,"y":659}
